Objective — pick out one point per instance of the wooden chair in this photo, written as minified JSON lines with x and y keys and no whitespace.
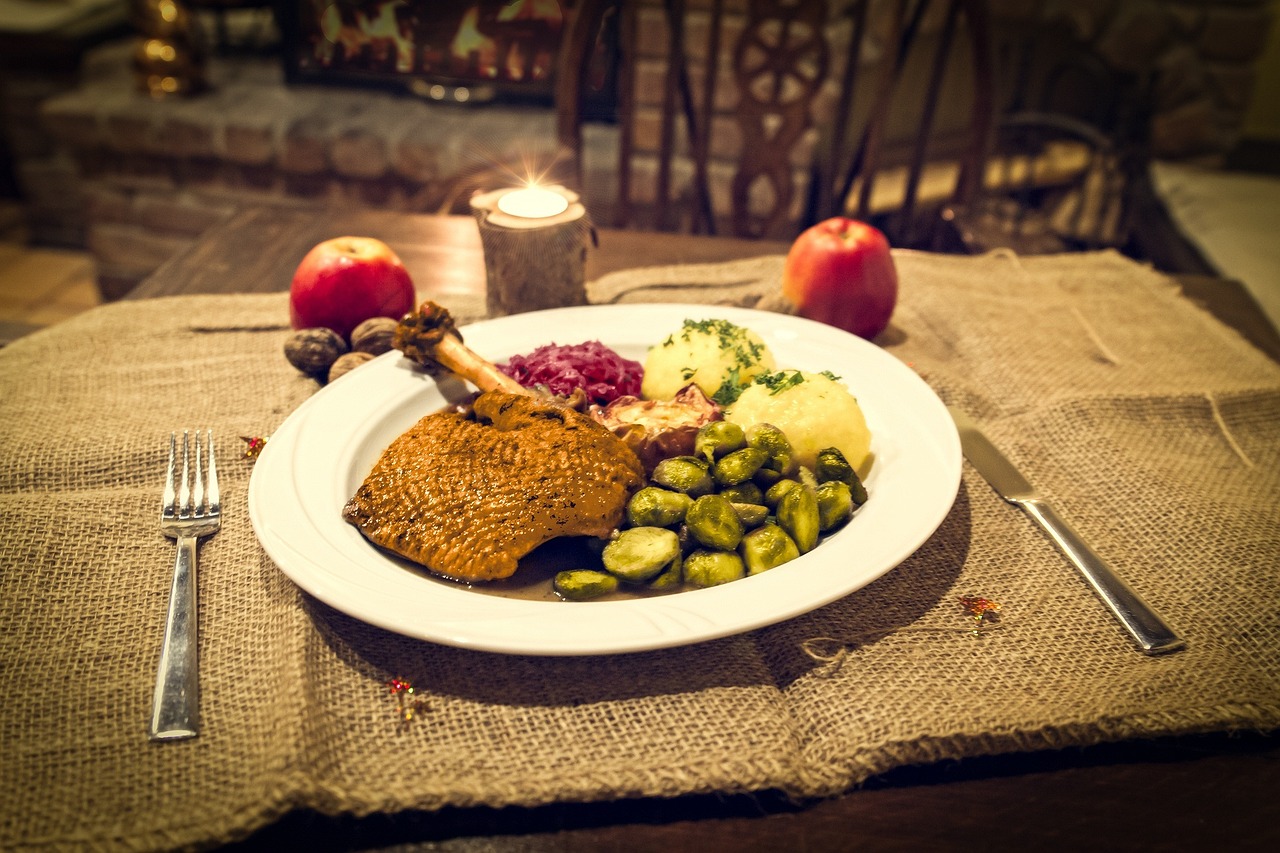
{"x":881,"y":158}
{"x":1067,"y":153}
{"x":720,"y":141}
{"x":733,"y":141}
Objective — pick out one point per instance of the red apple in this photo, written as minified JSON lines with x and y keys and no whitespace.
{"x":344,"y":281}
{"x":840,"y":272}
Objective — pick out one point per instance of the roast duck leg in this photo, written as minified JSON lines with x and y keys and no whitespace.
{"x":468,"y":494}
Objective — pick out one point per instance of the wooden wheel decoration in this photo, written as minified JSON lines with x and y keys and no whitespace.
{"x":779,"y":65}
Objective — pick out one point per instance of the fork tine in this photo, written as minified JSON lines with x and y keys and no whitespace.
{"x":184,"y":493}
{"x":215,"y":499}
{"x":197,"y":491}
{"x":167,"y":505}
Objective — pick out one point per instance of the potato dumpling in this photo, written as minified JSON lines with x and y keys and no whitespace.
{"x":719,"y":356}
{"x":814,"y":410}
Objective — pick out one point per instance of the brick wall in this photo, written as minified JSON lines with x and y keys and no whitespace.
{"x":139,"y":179}
{"x":45,"y":174}
{"x":154,"y":174}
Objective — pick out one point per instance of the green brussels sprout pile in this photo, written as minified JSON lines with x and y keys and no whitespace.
{"x":739,"y":506}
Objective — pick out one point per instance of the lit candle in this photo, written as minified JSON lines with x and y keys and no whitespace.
{"x":535,"y":247}
{"x":533,"y":202}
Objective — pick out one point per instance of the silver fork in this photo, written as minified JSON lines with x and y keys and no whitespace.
{"x":186,"y":514}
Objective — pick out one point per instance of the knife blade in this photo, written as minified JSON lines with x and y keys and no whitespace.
{"x":1146,"y":627}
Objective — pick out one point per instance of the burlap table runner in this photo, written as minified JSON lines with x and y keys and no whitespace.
{"x":1155,"y":429}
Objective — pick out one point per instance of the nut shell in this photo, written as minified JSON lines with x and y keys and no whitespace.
{"x":374,"y":335}
{"x":315,"y":350}
{"x":347,"y":363}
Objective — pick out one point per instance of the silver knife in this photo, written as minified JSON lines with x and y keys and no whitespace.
{"x":1147,"y":628}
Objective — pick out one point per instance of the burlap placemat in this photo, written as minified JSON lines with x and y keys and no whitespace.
{"x":1154,"y":428}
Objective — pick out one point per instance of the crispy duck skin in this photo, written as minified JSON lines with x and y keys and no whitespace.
{"x":468,"y":495}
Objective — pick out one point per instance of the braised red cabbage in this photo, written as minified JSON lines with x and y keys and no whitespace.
{"x":599,"y":371}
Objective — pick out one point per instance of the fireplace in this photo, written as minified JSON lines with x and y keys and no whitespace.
{"x":456,"y":51}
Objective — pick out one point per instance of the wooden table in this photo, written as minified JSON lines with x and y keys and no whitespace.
{"x":257,"y":250}
{"x":1213,"y":792}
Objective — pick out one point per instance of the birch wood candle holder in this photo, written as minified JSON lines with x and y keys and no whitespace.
{"x":535,"y":248}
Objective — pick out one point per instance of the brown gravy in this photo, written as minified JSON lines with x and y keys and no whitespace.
{"x":532,"y":581}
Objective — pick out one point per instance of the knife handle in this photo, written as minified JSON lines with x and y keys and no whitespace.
{"x":1146,"y":627}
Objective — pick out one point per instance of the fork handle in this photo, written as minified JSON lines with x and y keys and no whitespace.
{"x":175,"y":710}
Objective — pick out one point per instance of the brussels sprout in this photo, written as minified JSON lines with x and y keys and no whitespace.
{"x":711,"y":568}
{"x":832,"y":466}
{"x":772,"y":441}
{"x":751,"y":515}
{"x":738,"y":466}
{"x":835,"y":504}
{"x":713,"y":523}
{"x":767,"y":547}
{"x":687,"y":474}
{"x":654,"y":507}
{"x":717,"y":439}
{"x":857,"y":491}
{"x":583,"y":584}
{"x":640,"y":554}
{"x":744,"y":493}
{"x":774,"y":496}
{"x":798,"y":516}
{"x":766,"y":477}
{"x":671,"y":577}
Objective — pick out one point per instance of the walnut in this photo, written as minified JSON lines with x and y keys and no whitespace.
{"x":347,"y":363}
{"x":314,"y":351}
{"x":374,"y":335}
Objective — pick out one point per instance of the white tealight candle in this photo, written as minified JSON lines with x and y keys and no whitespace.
{"x":534,"y":239}
{"x":533,"y":203}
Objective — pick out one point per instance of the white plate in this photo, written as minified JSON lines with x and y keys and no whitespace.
{"x":323,"y":451}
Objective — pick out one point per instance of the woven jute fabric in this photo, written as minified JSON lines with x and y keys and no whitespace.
{"x":1155,"y":430}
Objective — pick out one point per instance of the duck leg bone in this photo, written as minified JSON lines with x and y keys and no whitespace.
{"x":430,"y":338}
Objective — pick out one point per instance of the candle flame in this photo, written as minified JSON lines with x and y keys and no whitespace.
{"x":533,"y":202}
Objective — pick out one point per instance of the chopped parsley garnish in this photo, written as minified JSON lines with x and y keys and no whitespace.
{"x":730,"y":389}
{"x":780,"y":381}
{"x":743,"y":350}
{"x":732,"y":337}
